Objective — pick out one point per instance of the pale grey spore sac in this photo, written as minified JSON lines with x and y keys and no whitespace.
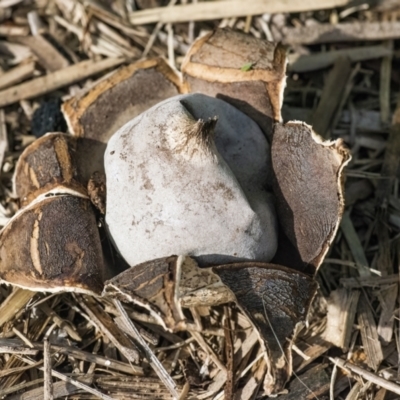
{"x":193,"y":181}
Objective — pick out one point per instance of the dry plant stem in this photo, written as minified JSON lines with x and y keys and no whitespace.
{"x":3,"y":136}
{"x":208,"y":350}
{"x":229,"y":387}
{"x":369,"y":376}
{"x":22,"y":386}
{"x":72,"y":333}
{"x":347,"y":88}
{"x":218,"y":9}
{"x":61,"y":390}
{"x":22,"y":337}
{"x":12,"y":347}
{"x":331,"y":96}
{"x":99,"y":360}
{"x":355,"y":245}
{"x":108,"y":328}
{"x":19,"y":52}
{"x":74,"y":382}
{"x":153,"y":360}
{"x":385,"y":81}
{"x":390,"y":165}
{"x":147,"y":336}
{"x":12,"y":371}
{"x":92,"y":366}
{"x":56,"y":80}
{"x":369,"y":281}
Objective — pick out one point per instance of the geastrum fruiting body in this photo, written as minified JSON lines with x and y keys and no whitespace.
{"x":221,"y":181}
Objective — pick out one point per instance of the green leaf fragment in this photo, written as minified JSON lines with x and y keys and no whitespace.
{"x":247,"y":66}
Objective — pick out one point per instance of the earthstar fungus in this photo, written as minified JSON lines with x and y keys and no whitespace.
{"x":170,"y":157}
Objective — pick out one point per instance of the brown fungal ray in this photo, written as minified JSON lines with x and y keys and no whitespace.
{"x":49,"y":163}
{"x":151,"y":285}
{"x":309,"y":192}
{"x":53,"y":245}
{"x":164,"y":285}
{"x":246,"y":72}
{"x":96,"y":114}
{"x":99,"y":112}
{"x":276,"y":299}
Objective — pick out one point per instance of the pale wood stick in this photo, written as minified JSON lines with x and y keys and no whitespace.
{"x":222,"y":9}
{"x":354,"y":31}
{"x":17,"y":74}
{"x":56,"y":80}
{"x":14,"y":303}
{"x":369,"y":376}
{"x":14,"y":30}
{"x":315,"y":61}
{"x":49,"y":57}
{"x":48,"y":381}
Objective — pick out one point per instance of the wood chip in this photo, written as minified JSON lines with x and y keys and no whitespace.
{"x":386,"y":319}
{"x":342,"y":307}
{"x":369,"y":334}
